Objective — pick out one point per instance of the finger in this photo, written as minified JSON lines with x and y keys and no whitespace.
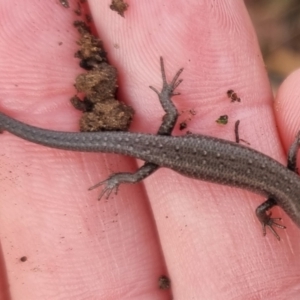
{"x":72,"y":242}
{"x":199,"y":223}
{"x":286,"y":109}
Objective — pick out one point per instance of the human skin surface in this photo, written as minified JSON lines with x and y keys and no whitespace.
{"x":205,"y":236}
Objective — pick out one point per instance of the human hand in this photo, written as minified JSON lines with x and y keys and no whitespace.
{"x":205,"y":235}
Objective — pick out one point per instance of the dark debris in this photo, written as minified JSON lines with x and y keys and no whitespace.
{"x":119,"y":6}
{"x":164,"y":282}
{"x":101,"y":110}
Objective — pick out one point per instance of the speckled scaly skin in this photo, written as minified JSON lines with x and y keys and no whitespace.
{"x":197,"y":156}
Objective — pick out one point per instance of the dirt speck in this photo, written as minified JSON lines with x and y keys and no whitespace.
{"x":119,"y":6}
{"x":78,"y":9}
{"x":23,"y":259}
{"x":107,"y":115}
{"x":233,"y":96}
{"x":182,"y":125}
{"x":164,"y":282}
{"x":223,"y":120}
{"x":64,"y":3}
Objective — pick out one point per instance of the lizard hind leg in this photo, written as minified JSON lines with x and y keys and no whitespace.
{"x":261,"y":211}
{"x":265,"y":218}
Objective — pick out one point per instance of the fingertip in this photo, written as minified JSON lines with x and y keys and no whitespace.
{"x":287,"y":108}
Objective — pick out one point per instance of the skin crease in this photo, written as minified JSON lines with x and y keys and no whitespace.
{"x":205,"y":235}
